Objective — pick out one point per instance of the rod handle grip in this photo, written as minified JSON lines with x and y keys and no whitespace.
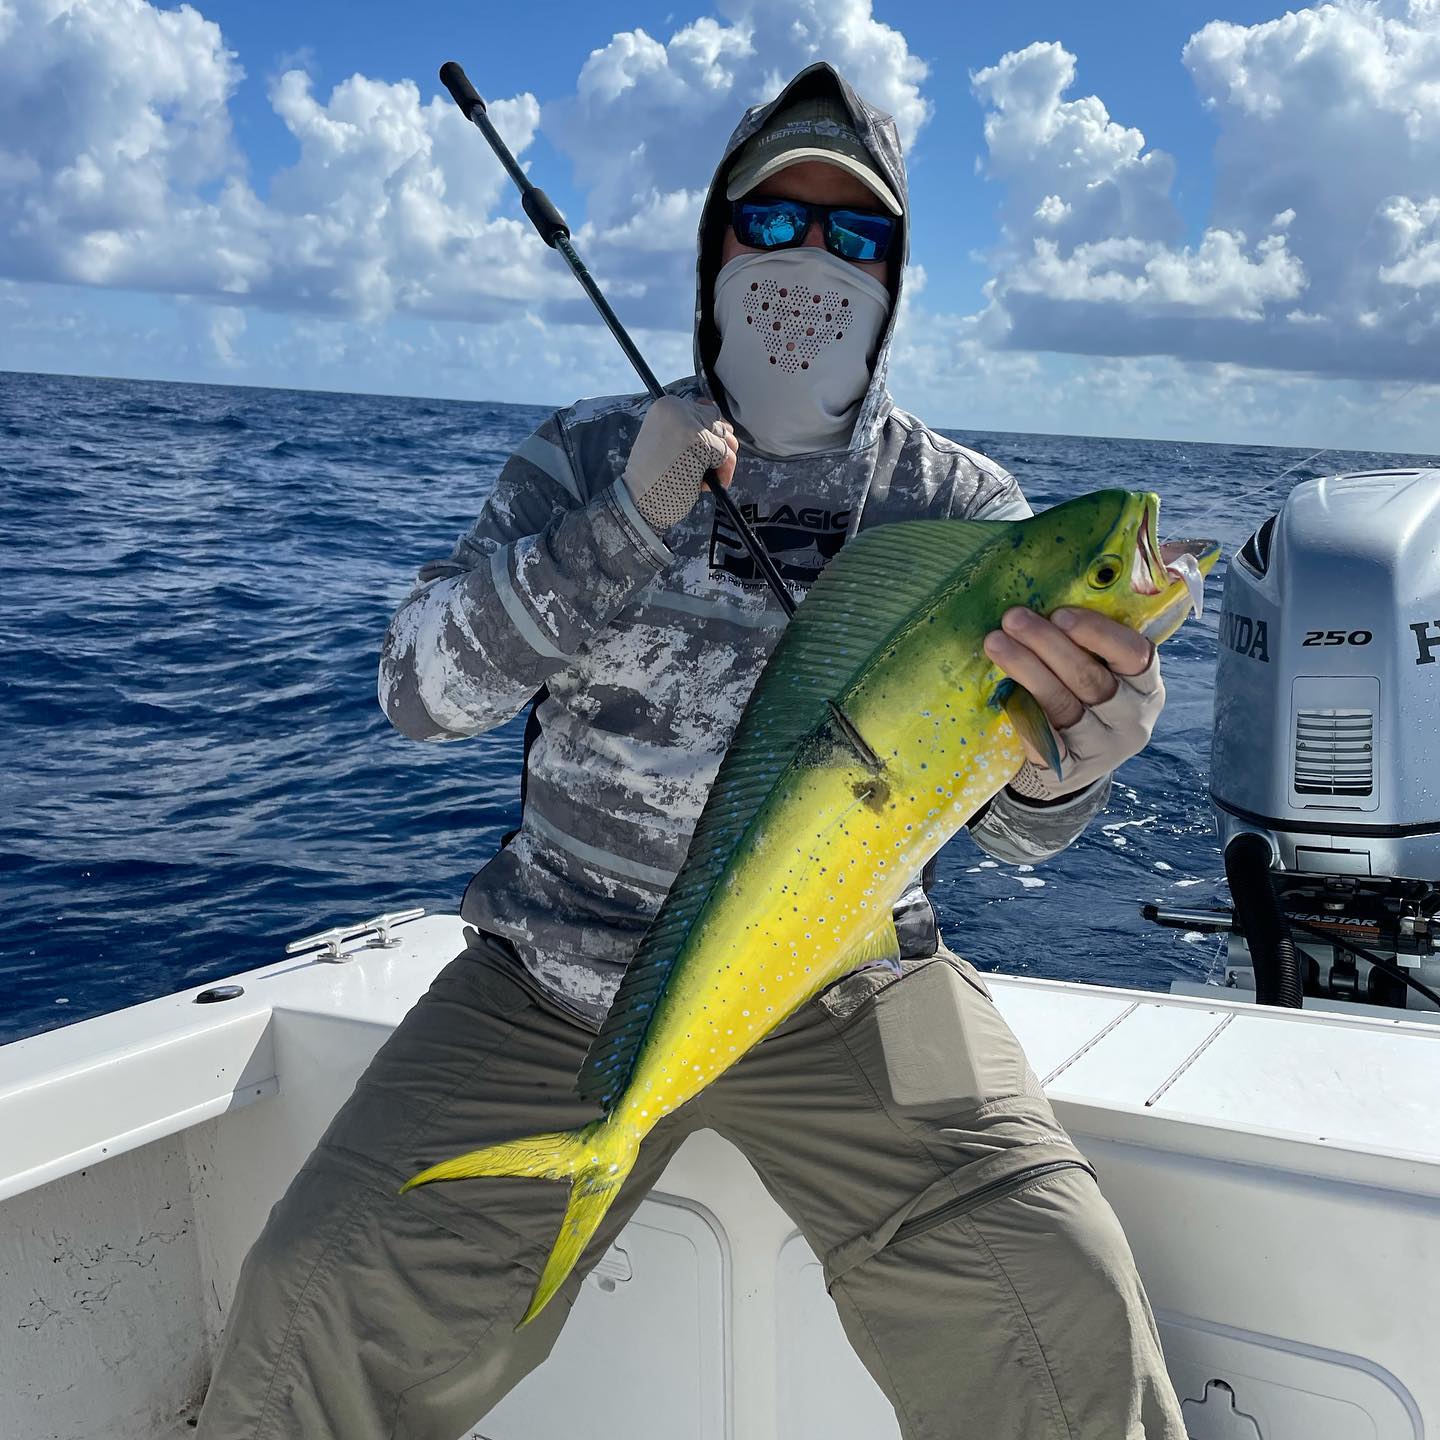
{"x":544,"y":216}
{"x":462,"y":92}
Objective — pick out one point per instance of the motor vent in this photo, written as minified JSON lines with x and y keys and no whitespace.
{"x":1334,"y":752}
{"x":1256,"y":550}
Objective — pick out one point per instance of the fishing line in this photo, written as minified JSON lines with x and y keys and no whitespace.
{"x":1325,"y":450}
{"x":1267,"y":490}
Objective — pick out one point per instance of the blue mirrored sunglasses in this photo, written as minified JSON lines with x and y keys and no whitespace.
{"x":775,"y":224}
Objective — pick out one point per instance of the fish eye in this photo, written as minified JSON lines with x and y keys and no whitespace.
{"x":1104,"y":572}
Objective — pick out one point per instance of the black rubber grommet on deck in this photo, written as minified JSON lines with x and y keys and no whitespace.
{"x":217,"y":993}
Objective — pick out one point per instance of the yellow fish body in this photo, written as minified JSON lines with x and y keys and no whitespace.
{"x":877,"y":729}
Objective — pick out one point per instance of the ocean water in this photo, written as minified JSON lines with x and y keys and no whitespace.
{"x":196,"y":580}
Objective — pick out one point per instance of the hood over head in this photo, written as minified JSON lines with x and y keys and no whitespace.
{"x":877,"y":130}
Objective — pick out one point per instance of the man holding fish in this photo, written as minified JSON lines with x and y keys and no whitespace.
{"x":744,"y":946}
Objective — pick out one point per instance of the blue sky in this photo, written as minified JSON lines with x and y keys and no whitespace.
{"x":1130,"y":53}
{"x":1201,"y":220}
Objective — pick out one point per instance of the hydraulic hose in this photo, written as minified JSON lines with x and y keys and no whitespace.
{"x":1262,"y":921}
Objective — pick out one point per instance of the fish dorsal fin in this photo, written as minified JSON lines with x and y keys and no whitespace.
{"x":862,"y":601}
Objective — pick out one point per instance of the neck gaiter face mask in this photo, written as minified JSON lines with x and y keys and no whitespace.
{"x":798,"y":331}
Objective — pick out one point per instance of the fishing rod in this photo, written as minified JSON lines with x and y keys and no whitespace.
{"x":551,"y":226}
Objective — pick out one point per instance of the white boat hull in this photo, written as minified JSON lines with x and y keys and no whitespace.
{"x":1278,"y":1175}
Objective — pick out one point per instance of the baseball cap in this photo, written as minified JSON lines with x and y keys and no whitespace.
{"x":815,"y":129}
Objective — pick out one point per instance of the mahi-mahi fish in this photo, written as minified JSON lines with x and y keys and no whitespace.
{"x":878,"y":728}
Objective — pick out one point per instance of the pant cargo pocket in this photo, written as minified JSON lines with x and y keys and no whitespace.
{"x":1016,"y":1307}
{"x":986,"y":1195}
{"x":933,"y":1045}
{"x":950,"y":1198}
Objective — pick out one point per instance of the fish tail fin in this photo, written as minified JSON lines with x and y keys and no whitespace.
{"x":590,"y":1197}
{"x":595,"y":1160}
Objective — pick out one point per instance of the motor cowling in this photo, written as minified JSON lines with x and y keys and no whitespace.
{"x":1327,"y":725}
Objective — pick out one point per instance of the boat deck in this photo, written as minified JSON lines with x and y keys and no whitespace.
{"x":1277,"y":1172}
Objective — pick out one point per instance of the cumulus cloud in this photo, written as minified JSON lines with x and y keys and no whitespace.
{"x":111,"y":116}
{"x":1065,"y":164}
{"x":1148,"y":279}
{"x":649,"y":120}
{"x":390,"y":230}
{"x":1411,"y":233}
{"x":946,"y":369}
{"x":391,"y":204}
{"x":389,"y":215}
{"x":387,"y":205}
{"x":226,"y":327}
{"x":1322,"y":254}
{"x":646,"y":114}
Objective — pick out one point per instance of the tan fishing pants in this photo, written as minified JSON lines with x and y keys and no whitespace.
{"x":979,"y":1274}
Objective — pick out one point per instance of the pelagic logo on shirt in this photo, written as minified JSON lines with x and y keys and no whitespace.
{"x":801,"y":539}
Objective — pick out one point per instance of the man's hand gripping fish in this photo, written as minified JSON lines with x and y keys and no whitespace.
{"x":877,"y":729}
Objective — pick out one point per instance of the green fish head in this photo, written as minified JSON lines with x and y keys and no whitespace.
{"x":1103,"y":552}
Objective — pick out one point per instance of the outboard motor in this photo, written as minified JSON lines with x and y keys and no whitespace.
{"x":1325,"y":766}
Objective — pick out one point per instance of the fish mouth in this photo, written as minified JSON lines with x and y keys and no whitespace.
{"x":1175,"y":570}
{"x":1147,"y":567}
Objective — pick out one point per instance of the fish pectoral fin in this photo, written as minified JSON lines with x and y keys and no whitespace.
{"x":1031,"y":723}
{"x":880,"y":946}
{"x":848,"y":732}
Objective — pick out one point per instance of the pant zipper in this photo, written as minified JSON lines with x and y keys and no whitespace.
{"x":963,"y":1204}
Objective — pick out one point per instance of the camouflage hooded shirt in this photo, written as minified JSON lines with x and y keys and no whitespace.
{"x":640,"y":650}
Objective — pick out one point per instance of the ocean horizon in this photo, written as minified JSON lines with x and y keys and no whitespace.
{"x":547,"y":407}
